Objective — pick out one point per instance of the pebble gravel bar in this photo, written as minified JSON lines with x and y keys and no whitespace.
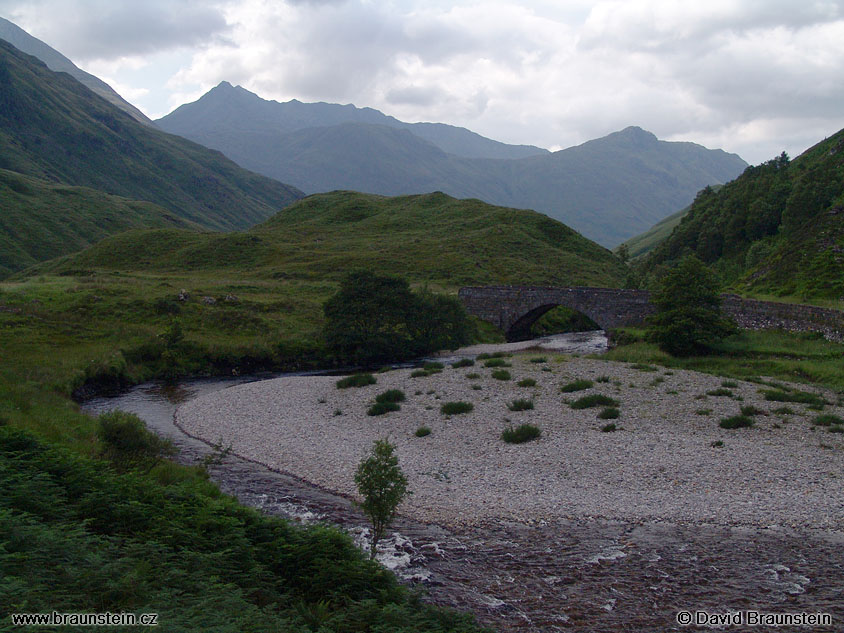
{"x":664,"y":463}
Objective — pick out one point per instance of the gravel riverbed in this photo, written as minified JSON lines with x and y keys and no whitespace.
{"x":660,"y":465}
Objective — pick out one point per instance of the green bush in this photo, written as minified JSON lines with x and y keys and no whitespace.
{"x":521,"y":434}
{"x":380,"y":408}
{"x":422,"y":431}
{"x":577,"y":385}
{"x":827,"y":420}
{"x":736,"y":422}
{"x":486,"y":355}
{"x":720,"y":391}
{"x":731,"y":384}
{"x":420,"y":373}
{"x":784,"y":411}
{"x":391,"y":395}
{"x":643,"y":367}
{"x":594,"y":400}
{"x":463,"y":362}
{"x":501,"y":374}
{"x":520,"y":405}
{"x":602,"y":379}
{"x":433,"y":367}
{"x":127,"y":442}
{"x":609,"y":428}
{"x":609,"y":413}
{"x":703,"y":411}
{"x":473,"y":376}
{"x":527,"y":382}
{"x":497,"y":362}
{"x":456,"y":408}
{"x":750,"y":410}
{"x":356,"y":380}
{"x":539,"y":359}
{"x":778,"y":395}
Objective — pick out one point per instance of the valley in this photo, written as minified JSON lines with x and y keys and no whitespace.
{"x":175,"y":330}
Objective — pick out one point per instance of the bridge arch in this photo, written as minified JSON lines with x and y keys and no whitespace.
{"x":515,"y":308}
{"x":521,"y":330}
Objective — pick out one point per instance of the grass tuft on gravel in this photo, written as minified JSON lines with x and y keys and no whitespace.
{"x":520,"y":434}
{"x":356,"y":380}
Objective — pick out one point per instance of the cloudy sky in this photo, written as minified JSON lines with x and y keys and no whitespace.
{"x":754,"y":77}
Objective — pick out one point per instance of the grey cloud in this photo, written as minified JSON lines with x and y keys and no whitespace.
{"x":103,"y":29}
{"x":416,"y":95}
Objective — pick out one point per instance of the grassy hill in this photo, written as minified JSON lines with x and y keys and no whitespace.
{"x":426,"y":238}
{"x":778,"y":229}
{"x":54,"y":128}
{"x":42,"y":220}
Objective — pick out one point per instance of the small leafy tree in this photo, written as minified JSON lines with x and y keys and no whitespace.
{"x":688,"y":319}
{"x":383,"y":486}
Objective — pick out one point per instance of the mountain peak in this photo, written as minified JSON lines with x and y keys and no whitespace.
{"x":636,"y":135}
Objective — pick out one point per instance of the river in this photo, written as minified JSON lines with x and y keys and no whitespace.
{"x":578,"y":574}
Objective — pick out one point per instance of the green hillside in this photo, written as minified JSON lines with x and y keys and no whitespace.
{"x":42,"y":220}
{"x":778,"y":229}
{"x":54,"y":128}
{"x":645,"y":242}
{"x":426,"y":238}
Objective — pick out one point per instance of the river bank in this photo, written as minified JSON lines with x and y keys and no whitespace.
{"x":575,"y":574}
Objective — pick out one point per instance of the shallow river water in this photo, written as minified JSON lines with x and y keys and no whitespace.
{"x":580,"y":574}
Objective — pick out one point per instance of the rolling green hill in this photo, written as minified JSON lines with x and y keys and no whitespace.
{"x":42,"y":220}
{"x":426,"y":238}
{"x":54,"y":128}
{"x":778,"y":229}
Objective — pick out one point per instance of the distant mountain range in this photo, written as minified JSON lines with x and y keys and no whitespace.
{"x":57,"y":62}
{"x":228,"y":112}
{"x":54,"y":128}
{"x":609,"y":189}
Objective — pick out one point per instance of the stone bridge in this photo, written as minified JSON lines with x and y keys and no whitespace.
{"x":515,"y":308}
